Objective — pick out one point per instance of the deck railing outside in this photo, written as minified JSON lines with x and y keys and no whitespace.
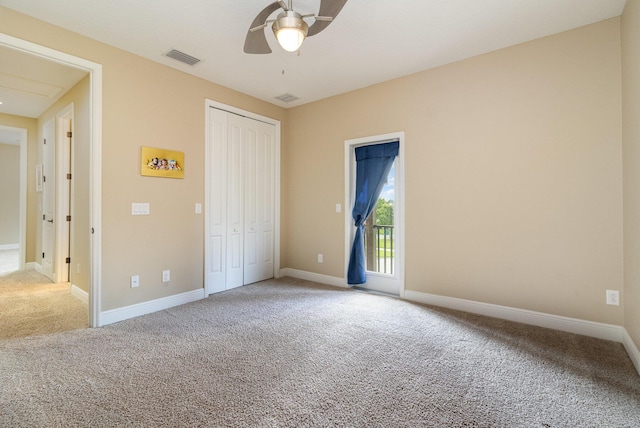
{"x":380,"y":255}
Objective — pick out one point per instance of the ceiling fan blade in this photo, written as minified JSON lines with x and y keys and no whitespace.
{"x":328,"y":8}
{"x":256,"y":41}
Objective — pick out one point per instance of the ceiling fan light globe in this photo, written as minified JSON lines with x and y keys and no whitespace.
{"x":290,"y":30}
{"x":290,"y":39}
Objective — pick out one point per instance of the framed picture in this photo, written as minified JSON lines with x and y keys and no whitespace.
{"x":39,"y":177}
{"x":161,"y":163}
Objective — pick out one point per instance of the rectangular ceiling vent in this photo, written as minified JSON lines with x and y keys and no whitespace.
{"x":287,"y":98}
{"x":182,"y":57}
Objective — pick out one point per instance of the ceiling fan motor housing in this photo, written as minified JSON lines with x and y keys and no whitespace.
{"x":290,"y":19}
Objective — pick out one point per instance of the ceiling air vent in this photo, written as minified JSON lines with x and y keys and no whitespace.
{"x":287,"y":98}
{"x":182,"y":57}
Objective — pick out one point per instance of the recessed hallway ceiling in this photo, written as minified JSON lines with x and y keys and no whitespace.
{"x":370,"y":41}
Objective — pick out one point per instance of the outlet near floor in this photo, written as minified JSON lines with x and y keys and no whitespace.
{"x":166,"y":275}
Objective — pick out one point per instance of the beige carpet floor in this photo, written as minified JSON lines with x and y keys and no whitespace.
{"x":288,"y":353}
{"x":31,"y":305}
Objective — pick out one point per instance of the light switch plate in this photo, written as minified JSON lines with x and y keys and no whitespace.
{"x":138,"y":208}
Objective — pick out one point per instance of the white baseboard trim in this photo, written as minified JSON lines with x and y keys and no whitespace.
{"x":80,"y":294}
{"x":615,"y":333}
{"x":132,"y":311}
{"x":9,"y":247}
{"x":314,"y":277}
{"x":33,"y":266}
{"x":540,"y":319}
{"x":632,"y":349}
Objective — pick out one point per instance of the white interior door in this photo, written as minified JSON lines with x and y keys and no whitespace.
{"x":48,"y":205}
{"x":63,"y":194}
{"x":216,"y":209}
{"x":235,"y":202}
{"x":258,"y":205}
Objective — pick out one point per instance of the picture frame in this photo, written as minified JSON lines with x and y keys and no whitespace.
{"x":155,"y":162}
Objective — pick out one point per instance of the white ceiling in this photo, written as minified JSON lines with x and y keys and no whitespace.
{"x":30,"y":84}
{"x":371,"y":41}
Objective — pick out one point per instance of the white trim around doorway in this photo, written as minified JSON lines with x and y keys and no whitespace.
{"x":349,"y":179}
{"x":95,"y":154}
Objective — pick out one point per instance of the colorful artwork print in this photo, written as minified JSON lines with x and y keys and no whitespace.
{"x":162,"y":163}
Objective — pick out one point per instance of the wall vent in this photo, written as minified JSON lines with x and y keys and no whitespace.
{"x":182,"y":57}
{"x":287,"y":98}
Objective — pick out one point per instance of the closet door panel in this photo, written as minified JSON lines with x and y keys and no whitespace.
{"x":252,"y":202}
{"x":235,"y":202}
{"x":217,"y":202}
{"x":267,"y":179}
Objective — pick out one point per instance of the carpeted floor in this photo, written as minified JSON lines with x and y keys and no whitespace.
{"x":287,"y":353}
{"x":30,"y":304}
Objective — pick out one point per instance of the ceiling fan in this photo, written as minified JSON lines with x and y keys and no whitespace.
{"x":289,"y":26}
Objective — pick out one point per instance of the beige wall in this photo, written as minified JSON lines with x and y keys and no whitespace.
{"x":9,"y":194}
{"x":79,"y":96}
{"x":31,"y":126}
{"x":145,"y":104}
{"x":513,"y":174}
{"x":631,"y":147}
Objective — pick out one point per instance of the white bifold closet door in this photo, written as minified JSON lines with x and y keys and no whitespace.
{"x":241,"y":201}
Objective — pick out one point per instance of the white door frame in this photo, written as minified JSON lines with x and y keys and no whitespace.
{"x":95,"y":157}
{"x":22,"y":220}
{"x":64,"y":195}
{"x":209,"y":104}
{"x":398,"y":211}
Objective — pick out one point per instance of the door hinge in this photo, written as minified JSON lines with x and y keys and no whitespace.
{"x":45,"y":140}
{"x":43,"y":217}
{"x":69,"y":134}
{"x":68,"y":218}
{"x":44,"y":179}
{"x":43,"y":255}
{"x":69,"y":176}
{"x":68,"y":260}
{"x":92,"y":231}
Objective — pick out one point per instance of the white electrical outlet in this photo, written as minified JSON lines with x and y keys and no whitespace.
{"x":135,"y":281}
{"x":338,"y":208}
{"x":198,"y":208}
{"x":613,"y":297}
{"x":166,"y":275}
{"x":78,"y":268}
{"x":320,"y":258}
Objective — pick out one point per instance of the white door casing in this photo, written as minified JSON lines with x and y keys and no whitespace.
{"x":392,"y":284}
